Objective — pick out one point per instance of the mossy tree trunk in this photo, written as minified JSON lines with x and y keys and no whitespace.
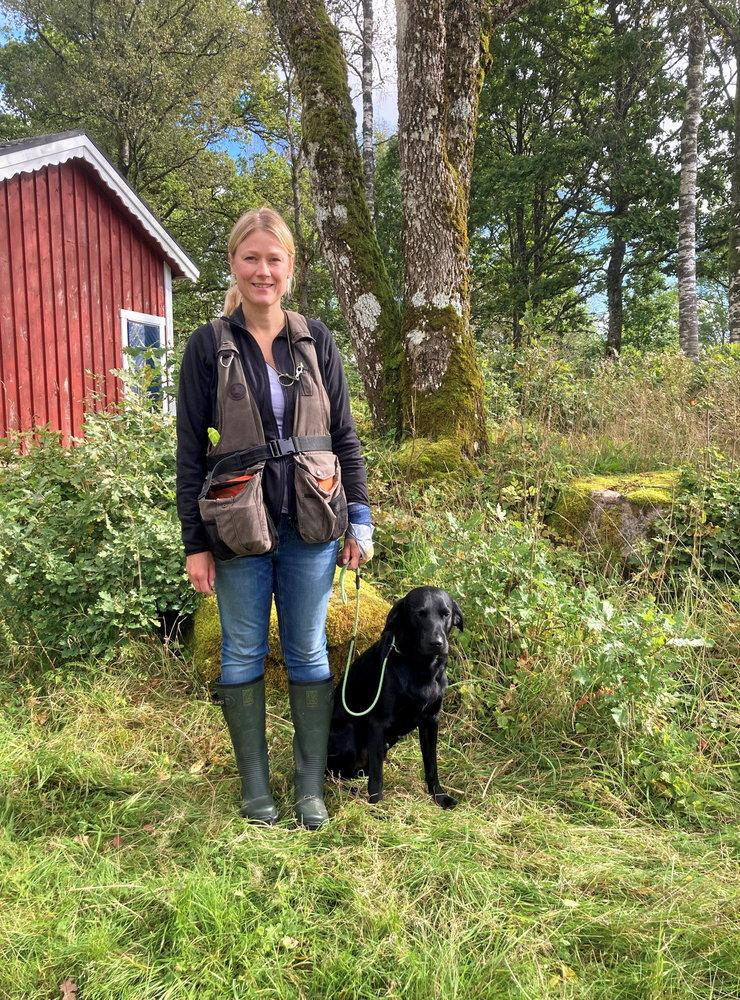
{"x":439,"y":78}
{"x":347,"y":232}
{"x":434,"y":369}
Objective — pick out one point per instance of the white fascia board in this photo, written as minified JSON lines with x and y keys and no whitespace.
{"x":79,"y":147}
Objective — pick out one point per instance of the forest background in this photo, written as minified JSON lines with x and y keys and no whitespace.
{"x":532,"y":274}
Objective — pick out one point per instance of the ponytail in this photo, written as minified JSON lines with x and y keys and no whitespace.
{"x":233,"y":299}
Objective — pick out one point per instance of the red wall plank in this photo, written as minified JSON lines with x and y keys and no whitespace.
{"x":69,"y":233}
{"x":59,"y":295}
{"x":83,"y":270}
{"x":20,"y":309}
{"x":8,"y":366}
{"x":96,"y":317}
{"x":46,"y":298}
{"x":108,"y":329}
{"x":32,"y":267}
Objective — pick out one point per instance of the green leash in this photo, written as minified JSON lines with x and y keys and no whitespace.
{"x":353,"y":640}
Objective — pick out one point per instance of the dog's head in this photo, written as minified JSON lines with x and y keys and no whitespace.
{"x":421,"y":621}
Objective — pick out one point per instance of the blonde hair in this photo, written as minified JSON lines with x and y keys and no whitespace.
{"x":268,"y":220}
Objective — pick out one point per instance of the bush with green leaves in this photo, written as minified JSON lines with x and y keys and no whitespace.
{"x":700,"y":534}
{"x":530,"y":611}
{"x":90,"y":545}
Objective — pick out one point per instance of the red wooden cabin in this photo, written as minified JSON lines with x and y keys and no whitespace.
{"x":85,"y":270}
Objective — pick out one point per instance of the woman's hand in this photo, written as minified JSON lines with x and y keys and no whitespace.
{"x":351,"y":557}
{"x":201,"y":570}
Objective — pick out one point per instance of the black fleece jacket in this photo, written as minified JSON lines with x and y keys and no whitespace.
{"x":196,"y":411}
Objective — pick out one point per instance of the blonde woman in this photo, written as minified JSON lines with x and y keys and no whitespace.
{"x":270,"y":476}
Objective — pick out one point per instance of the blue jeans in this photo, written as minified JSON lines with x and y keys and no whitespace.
{"x":300,"y":576}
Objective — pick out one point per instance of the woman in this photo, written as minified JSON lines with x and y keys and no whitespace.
{"x":269,"y":475}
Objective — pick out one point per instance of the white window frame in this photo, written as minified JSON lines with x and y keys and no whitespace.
{"x":165,"y":344}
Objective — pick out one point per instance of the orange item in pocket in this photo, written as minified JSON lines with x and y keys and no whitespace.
{"x":327,"y":485}
{"x":231,"y":488}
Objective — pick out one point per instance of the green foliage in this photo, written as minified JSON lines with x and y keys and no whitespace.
{"x":650,"y":313}
{"x":522,"y":612}
{"x":388,"y":209}
{"x":154,"y":83}
{"x":529,"y":196}
{"x":90,"y":544}
{"x":700,"y":535}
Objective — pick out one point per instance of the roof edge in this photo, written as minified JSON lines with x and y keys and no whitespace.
{"x":53,"y":150}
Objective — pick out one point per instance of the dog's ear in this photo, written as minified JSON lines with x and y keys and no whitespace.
{"x":457,"y":617}
{"x":389,"y":629}
{"x":386,"y":642}
{"x":394,"y":616}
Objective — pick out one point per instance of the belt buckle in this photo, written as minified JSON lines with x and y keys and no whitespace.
{"x":275,"y":449}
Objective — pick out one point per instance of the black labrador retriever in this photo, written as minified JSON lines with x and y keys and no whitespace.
{"x":415,"y":641}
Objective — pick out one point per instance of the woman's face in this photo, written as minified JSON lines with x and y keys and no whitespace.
{"x":261,"y":266}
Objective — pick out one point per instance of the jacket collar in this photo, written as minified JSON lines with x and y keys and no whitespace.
{"x":237,"y":318}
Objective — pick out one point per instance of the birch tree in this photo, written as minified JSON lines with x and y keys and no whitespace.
{"x":688,"y":313}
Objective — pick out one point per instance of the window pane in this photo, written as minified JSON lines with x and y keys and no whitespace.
{"x":143,"y":337}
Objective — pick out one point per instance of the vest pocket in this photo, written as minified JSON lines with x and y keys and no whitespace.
{"x":321,"y":506}
{"x":234,"y":509}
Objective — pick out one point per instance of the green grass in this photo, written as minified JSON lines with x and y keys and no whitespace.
{"x":583,"y":861}
{"x":126,"y":868}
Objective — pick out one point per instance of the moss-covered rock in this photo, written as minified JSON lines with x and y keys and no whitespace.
{"x":423,"y":459}
{"x":373,"y":613}
{"x":615,"y":512}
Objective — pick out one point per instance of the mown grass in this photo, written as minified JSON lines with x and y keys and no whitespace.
{"x":126,"y":868}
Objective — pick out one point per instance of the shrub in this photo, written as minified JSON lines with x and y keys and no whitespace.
{"x":701,"y":533}
{"x":90,"y":543}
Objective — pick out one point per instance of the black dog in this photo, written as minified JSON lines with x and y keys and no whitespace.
{"x":415,"y":640}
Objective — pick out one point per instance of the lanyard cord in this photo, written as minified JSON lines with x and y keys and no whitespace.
{"x":352,"y":642}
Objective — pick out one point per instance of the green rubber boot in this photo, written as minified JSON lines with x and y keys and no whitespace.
{"x":244,"y":710}
{"x":311,"y":707}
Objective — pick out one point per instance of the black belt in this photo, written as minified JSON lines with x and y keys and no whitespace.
{"x":278,"y":448}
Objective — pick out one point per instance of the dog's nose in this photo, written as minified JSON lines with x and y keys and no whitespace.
{"x":437,"y":643}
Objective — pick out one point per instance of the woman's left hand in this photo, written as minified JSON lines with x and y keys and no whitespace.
{"x":350,"y":556}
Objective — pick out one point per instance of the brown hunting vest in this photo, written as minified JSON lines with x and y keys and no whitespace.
{"x":231,"y":503}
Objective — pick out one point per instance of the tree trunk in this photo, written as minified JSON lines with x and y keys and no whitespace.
{"x":688,"y":311}
{"x":368,"y":145}
{"x":300,"y":243}
{"x":614,"y":282}
{"x":439,"y":78}
{"x":347,"y":233}
{"x":734,"y":249}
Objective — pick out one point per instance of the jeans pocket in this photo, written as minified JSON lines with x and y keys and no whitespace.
{"x":321,"y":506}
{"x":234,"y":511}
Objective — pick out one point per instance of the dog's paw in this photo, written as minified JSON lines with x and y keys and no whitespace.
{"x":375,"y":797}
{"x":445,"y":800}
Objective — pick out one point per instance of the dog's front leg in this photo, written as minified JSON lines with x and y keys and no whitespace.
{"x":428,"y":728}
{"x":375,"y":754}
